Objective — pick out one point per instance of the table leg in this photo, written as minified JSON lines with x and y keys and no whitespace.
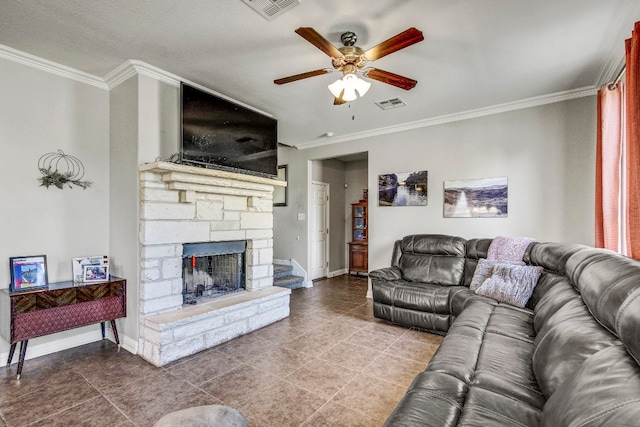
{"x":115,"y":332}
{"x":12,"y":350}
{"x":23,"y":352}
{"x":103,"y":330}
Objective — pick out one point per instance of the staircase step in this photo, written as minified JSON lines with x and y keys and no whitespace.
{"x":291,"y":282}
{"x":282,"y":270}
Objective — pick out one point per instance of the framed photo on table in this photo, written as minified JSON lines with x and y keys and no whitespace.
{"x":96,"y":273}
{"x":28,"y":272}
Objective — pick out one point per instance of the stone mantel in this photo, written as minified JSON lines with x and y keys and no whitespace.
{"x":175,"y":172}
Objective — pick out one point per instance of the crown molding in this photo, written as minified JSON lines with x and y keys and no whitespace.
{"x":464,"y":115}
{"x":51,"y":67}
{"x":134,"y":67}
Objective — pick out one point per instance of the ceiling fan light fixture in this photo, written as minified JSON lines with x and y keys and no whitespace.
{"x":347,"y":87}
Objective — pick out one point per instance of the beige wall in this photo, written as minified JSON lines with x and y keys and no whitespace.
{"x":41,"y":113}
{"x":547,"y":153}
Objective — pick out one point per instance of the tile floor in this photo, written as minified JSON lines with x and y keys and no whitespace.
{"x":329,"y":364}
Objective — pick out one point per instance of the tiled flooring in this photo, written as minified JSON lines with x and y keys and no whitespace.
{"x":329,"y":364}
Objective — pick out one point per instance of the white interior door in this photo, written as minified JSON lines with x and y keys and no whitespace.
{"x":319,"y":230}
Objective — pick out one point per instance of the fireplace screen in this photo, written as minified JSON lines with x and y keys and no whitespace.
{"x":210,"y":270}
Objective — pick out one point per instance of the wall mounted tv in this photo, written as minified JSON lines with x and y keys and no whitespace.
{"x":220,"y":134}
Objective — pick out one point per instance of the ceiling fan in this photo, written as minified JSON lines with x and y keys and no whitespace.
{"x":350,"y":59}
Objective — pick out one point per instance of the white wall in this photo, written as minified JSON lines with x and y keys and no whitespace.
{"x":547,"y":153}
{"x":123,"y":200}
{"x":144,"y":127}
{"x":41,"y":113}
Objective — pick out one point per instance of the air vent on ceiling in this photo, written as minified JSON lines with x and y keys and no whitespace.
{"x":389,"y":104}
{"x":271,"y":9}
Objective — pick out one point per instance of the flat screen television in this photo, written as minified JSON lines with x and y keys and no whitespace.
{"x":220,"y":134}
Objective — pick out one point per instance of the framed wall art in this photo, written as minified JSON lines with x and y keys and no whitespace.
{"x":28,"y":272}
{"x":280,"y":193}
{"x":476,"y":198}
{"x":403,"y":189}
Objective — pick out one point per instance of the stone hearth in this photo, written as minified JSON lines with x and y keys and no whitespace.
{"x":184,"y":204}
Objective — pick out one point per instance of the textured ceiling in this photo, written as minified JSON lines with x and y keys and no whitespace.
{"x":476,"y":53}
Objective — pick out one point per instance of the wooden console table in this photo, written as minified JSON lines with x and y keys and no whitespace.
{"x":59,"y":307}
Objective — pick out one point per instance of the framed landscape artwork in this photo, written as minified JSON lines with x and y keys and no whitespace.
{"x":476,"y":198}
{"x":403,"y":189}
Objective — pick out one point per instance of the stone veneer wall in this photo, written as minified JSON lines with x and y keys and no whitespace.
{"x":183,"y":204}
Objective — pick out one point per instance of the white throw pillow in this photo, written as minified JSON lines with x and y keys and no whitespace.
{"x":512,"y":284}
{"x":484,"y":269}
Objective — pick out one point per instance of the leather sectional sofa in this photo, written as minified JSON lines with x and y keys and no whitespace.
{"x":569,"y":357}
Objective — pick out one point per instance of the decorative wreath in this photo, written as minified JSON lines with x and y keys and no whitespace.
{"x":61,"y":169}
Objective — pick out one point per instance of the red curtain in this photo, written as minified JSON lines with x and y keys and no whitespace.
{"x":608,"y":161}
{"x":618,"y":158}
{"x":632,"y":78}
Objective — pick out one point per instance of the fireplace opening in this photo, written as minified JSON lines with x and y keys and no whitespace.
{"x":212,"y":269}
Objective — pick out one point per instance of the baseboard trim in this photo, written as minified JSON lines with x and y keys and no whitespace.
{"x":337,"y":273}
{"x":35,"y":350}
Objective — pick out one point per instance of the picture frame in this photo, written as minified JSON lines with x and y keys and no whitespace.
{"x":280,"y":194}
{"x":476,"y":198}
{"x":95,"y":273}
{"x":28,"y":272}
{"x":78,"y":265}
{"x":403,"y":189}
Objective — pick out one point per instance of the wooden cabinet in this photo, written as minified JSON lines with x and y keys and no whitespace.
{"x":59,"y":307}
{"x":359,"y":245}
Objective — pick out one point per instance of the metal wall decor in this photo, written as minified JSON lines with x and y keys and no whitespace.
{"x":60,"y":169}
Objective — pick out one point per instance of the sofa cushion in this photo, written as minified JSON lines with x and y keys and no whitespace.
{"x":458,"y":353}
{"x":610,"y":287}
{"x":512,"y":322}
{"x":432,"y":398}
{"x":432,"y":258}
{"x":602,"y":392}
{"x":565,"y":341}
{"x":509,"y":372}
{"x":487,"y":408}
{"x":443,"y":270}
{"x":512,"y":284}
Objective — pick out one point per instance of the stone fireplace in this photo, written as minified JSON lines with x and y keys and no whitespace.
{"x":189,"y":216}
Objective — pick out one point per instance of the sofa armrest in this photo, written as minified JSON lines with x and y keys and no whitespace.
{"x":388,"y":273}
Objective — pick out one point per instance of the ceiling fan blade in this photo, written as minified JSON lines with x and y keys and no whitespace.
{"x":395,"y":43}
{"x":392,"y":79}
{"x":301,"y":76}
{"x":313,"y":37}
